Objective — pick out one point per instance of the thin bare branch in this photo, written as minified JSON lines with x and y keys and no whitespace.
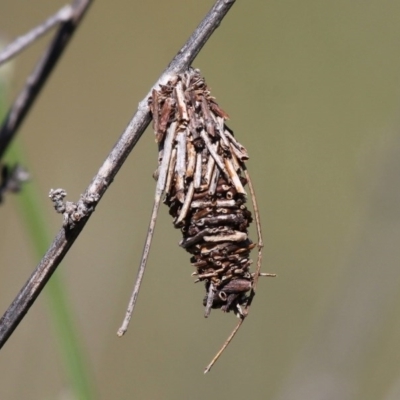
{"x":101,"y":181}
{"x":19,"y":44}
{"x":224,"y":346}
{"x":260,"y":243}
{"x":37,"y":79}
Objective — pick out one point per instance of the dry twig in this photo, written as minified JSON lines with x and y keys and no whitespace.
{"x":69,"y":17}
{"x":19,"y":44}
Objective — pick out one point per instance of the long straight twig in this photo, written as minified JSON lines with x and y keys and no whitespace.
{"x":159,"y":191}
{"x":101,"y":181}
{"x":260,"y":243}
{"x":42,"y":71}
{"x":224,"y":346}
{"x":142,"y":267}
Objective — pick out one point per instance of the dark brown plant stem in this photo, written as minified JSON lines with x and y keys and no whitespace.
{"x":42,"y":71}
{"x":101,"y":181}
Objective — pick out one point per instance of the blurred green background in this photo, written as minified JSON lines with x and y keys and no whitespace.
{"x":313,"y":92}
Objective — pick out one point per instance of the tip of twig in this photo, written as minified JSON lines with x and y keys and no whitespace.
{"x":224,"y":346}
{"x":121,"y":332}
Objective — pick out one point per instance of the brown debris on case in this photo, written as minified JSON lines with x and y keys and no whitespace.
{"x":205,"y":189}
